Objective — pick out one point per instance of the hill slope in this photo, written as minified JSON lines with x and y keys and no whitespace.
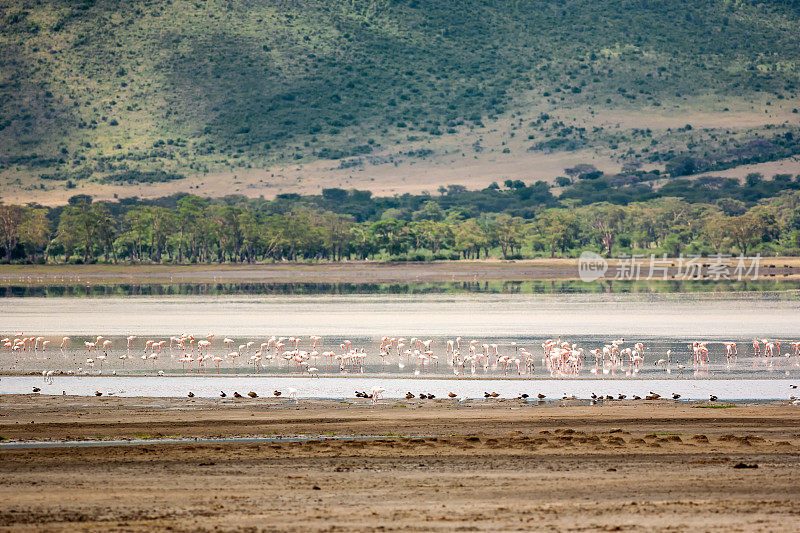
{"x":97,"y":89}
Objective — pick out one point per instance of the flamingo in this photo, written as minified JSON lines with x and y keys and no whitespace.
{"x":233,"y":356}
{"x":203,"y":346}
{"x":186,"y":359}
{"x":376,"y":393}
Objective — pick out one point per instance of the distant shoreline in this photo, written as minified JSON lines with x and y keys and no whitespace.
{"x":357,"y":272}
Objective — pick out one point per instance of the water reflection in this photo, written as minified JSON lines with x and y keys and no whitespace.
{"x":461,"y":287}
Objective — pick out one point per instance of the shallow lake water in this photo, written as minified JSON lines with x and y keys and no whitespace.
{"x":502,"y":326}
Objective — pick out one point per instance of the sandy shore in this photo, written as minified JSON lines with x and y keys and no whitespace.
{"x":351,"y":272}
{"x":483,"y":466}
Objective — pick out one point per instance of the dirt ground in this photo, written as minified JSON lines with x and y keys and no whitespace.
{"x":437,"y":465}
{"x":349,"y":272}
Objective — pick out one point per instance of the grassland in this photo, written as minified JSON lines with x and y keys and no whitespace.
{"x":148,"y":97}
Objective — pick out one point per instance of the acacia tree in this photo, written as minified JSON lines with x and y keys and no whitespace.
{"x":362,"y":241}
{"x":34,"y":232}
{"x":745,"y":230}
{"x":251,"y":236}
{"x":78,"y":226}
{"x":558,"y":227}
{"x":510,"y":233}
{"x":136,"y":224}
{"x":188,"y":222}
{"x":434,"y":234}
{"x":162,"y":224}
{"x":336,"y":234}
{"x":469,"y":238}
{"x":10,"y":220}
{"x":606,"y":219}
{"x":715,"y":229}
{"x":106,"y":229}
{"x":391,"y":235}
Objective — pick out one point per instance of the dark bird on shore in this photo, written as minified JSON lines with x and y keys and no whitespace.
{"x":676,"y":396}
{"x":191,"y":394}
{"x":452,"y":394}
{"x":276,"y":393}
{"x":222,"y":394}
{"x":409,"y":396}
{"x":495,"y":395}
{"x":237,"y":395}
{"x":541,"y":396}
{"x":524,"y":396}
{"x":637,"y":397}
{"x":252,"y":394}
{"x":594,"y":396}
{"x":423,"y":396}
{"x":792,"y":386}
{"x":713,"y":398}
{"x":654,"y":395}
{"x":487,"y":395}
{"x":36,"y":389}
{"x":98,"y":393}
{"x":361,"y":394}
{"x":431,"y":396}
{"x":609,"y":397}
{"x":621,"y":396}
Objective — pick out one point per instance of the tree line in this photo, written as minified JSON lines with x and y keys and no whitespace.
{"x":194,"y":229}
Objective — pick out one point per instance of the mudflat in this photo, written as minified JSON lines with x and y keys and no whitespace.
{"x":432,"y":465}
{"x":345,"y":272}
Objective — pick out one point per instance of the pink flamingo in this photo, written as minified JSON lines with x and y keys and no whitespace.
{"x":233,"y":356}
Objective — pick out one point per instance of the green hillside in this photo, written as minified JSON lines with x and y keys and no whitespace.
{"x":144,"y":90}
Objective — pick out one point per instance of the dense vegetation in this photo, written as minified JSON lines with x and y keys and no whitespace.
{"x":514,"y":220}
{"x":151,"y":89}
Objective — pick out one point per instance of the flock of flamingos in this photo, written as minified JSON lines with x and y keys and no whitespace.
{"x":559,"y":358}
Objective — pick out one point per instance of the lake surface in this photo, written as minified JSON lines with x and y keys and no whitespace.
{"x":502,"y":326}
